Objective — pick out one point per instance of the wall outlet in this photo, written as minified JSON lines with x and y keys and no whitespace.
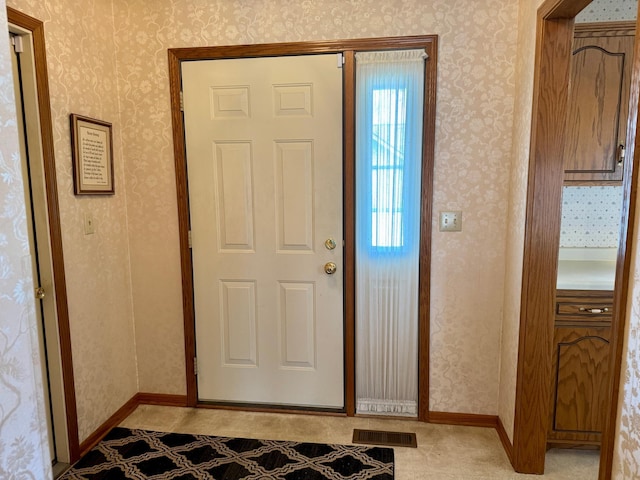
{"x":451,"y":221}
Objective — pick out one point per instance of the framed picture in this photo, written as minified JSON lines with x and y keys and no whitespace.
{"x":92,"y":152}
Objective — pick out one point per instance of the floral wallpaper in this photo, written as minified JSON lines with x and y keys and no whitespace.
{"x":24,"y":451}
{"x":626,"y":462}
{"x":476,"y":88}
{"x":475,"y":108}
{"x":517,"y":212}
{"x":109,"y":60}
{"x":83,"y":79}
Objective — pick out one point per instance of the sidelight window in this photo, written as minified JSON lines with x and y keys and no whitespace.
{"x":389,"y":126}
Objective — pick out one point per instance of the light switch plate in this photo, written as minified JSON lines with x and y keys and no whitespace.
{"x":451,"y":221}
{"x":89,"y":225}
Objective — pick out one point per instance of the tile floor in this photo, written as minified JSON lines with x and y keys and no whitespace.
{"x":444,"y":452}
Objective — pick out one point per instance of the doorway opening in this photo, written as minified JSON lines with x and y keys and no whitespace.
{"x":34,"y":115}
{"x":347,"y":49}
{"x":555,"y":37}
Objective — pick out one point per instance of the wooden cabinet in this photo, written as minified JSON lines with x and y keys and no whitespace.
{"x":580,"y":366}
{"x":598,"y":103}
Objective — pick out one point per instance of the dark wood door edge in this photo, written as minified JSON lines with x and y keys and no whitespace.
{"x":542,"y":232}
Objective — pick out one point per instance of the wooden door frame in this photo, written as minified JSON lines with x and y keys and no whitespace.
{"x":348,"y":48}
{"x":554,"y":35}
{"x":36,"y":28}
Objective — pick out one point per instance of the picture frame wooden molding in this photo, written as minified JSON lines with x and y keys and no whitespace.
{"x":92,"y":154}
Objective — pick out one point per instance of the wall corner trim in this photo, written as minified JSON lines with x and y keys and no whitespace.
{"x":475,"y":420}
{"x":126,"y":410}
{"x":504,"y":438}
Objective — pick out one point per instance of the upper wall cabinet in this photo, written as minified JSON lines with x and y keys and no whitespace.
{"x":598,"y":103}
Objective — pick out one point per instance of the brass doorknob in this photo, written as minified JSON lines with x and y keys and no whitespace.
{"x":330,"y":268}
{"x":330,"y":243}
{"x":40,"y":293}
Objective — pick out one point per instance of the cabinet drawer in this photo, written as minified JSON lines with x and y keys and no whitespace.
{"x":596,"y":307}
{"x":585,"y":310}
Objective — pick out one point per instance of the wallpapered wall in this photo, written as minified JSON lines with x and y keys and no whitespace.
{"x":517,"y":209}
{"x":82,"y":79}
{"x":478,"y":69}
{"x":23,"y":433}
{"x":475,"y":102}
{"x":626,"y":463}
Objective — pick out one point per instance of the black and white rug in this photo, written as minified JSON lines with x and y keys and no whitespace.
{"x":142,"y":454}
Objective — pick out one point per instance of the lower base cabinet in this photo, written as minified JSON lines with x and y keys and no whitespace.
{"x":580,"y":367}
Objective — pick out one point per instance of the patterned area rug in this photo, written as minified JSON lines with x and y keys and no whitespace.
{"x":141,"y":454}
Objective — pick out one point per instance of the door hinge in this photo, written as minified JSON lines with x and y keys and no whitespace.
{"x":340,"y":60}
{"x":195,"y":366}
{"x":189,"y":239}
{"x":16,"y":41}
{"x":181,"y":101}
{"x":621,"y":152}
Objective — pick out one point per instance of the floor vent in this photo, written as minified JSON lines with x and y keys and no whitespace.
{"x":380,"y":437}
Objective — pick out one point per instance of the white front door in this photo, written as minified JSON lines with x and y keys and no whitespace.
{"x":264,"y":156}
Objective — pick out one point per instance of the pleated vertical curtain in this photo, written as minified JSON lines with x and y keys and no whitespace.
{"x":389,"y":112}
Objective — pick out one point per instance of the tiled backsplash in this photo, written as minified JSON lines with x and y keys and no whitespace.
{"x":608,"y":11}
{"x":591,"y":216}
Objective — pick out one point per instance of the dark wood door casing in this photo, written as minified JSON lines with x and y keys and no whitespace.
{"x":551,"y":76}
{"x":348,"y":49}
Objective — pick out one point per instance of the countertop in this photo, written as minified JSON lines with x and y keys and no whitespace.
{"x":586,"y":268}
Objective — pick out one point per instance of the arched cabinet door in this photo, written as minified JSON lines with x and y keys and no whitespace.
{"x":598,"y":105}
{"x":580,"y":366}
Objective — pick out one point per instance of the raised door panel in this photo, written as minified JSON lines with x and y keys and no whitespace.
{"x":598,"y":109}
{"x":294,"y":194}
{"x":581,"y":368}
{"x":234,"y":196}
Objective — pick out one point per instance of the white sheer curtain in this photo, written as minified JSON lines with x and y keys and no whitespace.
{"x":389,"y":109}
